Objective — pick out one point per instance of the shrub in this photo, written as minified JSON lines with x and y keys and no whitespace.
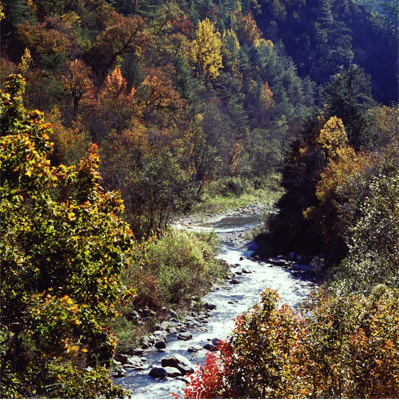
{"x":337,"y":347}
{"x":63,"y":247}
{"x":171,"y":269}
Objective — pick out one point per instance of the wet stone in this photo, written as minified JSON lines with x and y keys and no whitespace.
{"x":209,"y":306}
{"x":180,"y":362}
{"x":119,"y":373}
{"x":136,"y":352}
{"x":235,"y":282}
{"x":195,"y":348}
{"x":172,"y":372}
{"x":160,"y":345}
{"x":157,"y":372}
{"x":184,"y":336}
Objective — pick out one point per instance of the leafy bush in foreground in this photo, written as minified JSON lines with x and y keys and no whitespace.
{"x":336,"y":347}
{"x":62,"y":250}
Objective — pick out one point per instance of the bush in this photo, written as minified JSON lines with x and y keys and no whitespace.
{"x":63,"y":247}
{"x":171,"y":269}
{"x":342,"y":347}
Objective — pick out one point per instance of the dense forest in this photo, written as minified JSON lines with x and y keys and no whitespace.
{"x":117,"y":116}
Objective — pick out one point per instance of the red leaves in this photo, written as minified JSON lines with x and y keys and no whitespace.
{"x":339,"y":347}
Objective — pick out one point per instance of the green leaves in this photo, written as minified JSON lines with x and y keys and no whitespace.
{"x":337,"y":347}
{"x":63,"y":249}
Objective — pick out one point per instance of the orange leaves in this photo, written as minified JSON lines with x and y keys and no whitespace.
{"x":77,"y":80}
{"x":248,"y":30}
{"x":266,"y":97}
{"x":157,"y":93}
{"x":116,"y":86}
{"x":336,"y":348}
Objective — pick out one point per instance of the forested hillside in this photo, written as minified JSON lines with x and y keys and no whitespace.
{"x":148,"y":107}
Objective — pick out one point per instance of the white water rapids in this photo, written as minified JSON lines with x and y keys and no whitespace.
{"x":230,"y":300}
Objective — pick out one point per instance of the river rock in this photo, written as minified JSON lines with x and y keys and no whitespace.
{"x":145,"y":342}
{"x":173,"y":314}
{"x":135,"y":316}
{"x":195,"y":348}
{"x":172,"y":330}
{"x":119,"y":373}
{"x":165,"y":325}
{"x":292,"y":256}
{"x":216,"y":342}
{"x":135,"y":352}
{"x":246,"y":271}
{"x":238,"y":272}
{"x":235,"y":282}
{"x":159,"y":335}
{"x":184,"y":336}
{"x":134,"y":362}
{"x":210,"y":347}
{"x":122,"y":358}
{"x":161,"y":344}
{"x":180,"y":362}
{"x":172,"y":372}
{"x":182,"y":378}
{"x":209,"y":306}
{"x":242,"y":258}
{"x":158,"y":373}
{"x":298,"y":267}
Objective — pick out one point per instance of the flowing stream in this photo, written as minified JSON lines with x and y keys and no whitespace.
{"x":231,"y":300}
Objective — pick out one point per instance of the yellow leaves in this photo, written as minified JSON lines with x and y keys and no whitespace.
{"x":333,"y":137}
{"x":205,"y":51}
{"x":26,"y":61}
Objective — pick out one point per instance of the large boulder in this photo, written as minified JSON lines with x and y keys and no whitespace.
{"x":180,"y":362}
{"x":161,"y":344}
{"x":210,"y":347}
{"x":158,"y":373}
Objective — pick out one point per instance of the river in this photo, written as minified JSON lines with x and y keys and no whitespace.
{"x":230,"y":300}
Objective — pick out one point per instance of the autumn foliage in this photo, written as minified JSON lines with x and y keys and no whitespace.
{"x":335,"y":348}
{"x":63,"y":249}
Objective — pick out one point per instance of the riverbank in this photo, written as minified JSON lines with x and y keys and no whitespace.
{"x":192,"y":334}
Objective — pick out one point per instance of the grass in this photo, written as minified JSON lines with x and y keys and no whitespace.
{"x":168,"y":273}
{"x":218,"y":199}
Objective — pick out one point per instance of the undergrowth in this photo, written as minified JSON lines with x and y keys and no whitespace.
{"x":168,"y":272}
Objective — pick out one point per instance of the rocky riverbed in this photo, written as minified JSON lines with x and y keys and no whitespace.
{"x":160,"y":365}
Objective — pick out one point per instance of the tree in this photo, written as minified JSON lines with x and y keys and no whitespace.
{"x":336,"y":347}
{"x":374,"y":246}
{"x":122,"y":36}
{"x":77,"y":82}
{"x":348,"y":96}
{"x":205,"y":51}
{"x":62,"y":251}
